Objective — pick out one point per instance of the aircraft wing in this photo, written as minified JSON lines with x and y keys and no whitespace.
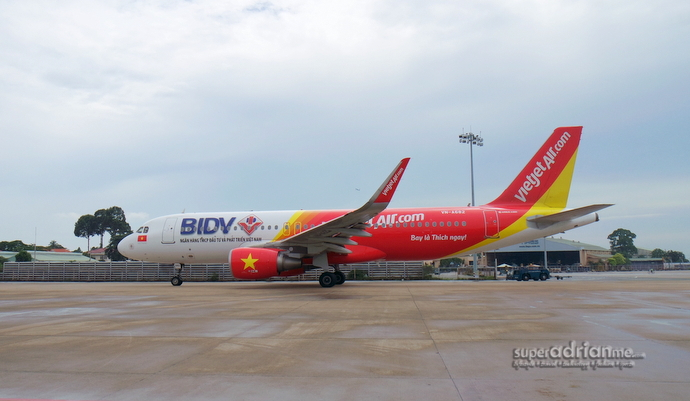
{"x":540,"y":222}
{"x":332,"y":235}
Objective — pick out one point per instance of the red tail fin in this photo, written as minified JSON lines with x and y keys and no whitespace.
{"x":545,"y":180}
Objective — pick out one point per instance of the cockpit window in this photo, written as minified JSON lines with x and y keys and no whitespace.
{"x":144,"y":230}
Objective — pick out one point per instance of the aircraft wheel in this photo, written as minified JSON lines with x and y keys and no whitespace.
{"x":542,"y":277}
{"x":525,"y":277}
{"x":339,"y":277}
{"x":176,"y":281}
{"x":327,"y":279}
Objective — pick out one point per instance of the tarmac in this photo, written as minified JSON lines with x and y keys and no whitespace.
{"x":595,"y":336}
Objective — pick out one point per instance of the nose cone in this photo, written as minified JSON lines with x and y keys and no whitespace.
{"x":126,"y":246}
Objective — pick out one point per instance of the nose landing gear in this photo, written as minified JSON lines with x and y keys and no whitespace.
{"x":176,"y":280}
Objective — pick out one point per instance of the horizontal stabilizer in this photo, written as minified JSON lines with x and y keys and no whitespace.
{"x":540,"y":222}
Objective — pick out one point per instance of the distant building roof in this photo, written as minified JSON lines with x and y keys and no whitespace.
{"x":47,"y":256}
{"x":552,"y":244}
{"x":99,"y":254}
{"x":644,"y":253}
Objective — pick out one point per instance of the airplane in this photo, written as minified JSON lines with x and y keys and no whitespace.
{"x":260,"y":245}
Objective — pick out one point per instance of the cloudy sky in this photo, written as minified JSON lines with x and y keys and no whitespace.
{"x":164,"y":106}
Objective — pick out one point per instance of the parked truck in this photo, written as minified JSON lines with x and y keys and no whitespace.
{"x":529,"y":273}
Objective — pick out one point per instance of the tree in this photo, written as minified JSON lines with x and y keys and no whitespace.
{"x":86,"y":227}
{"x":111,"y":220}
{"x":669,"y":256}
{"x":13,"y":246}
{"x":101,"y":217}
{"x":111,"y":250}
{"x":675,"y":257}
{"x":658,"y":253}
{"x":54,"y":245}
{"x":449,"y":262}
{"x":22,"y":256}
{"x":618,"y":260}
{"x":621,"y":241}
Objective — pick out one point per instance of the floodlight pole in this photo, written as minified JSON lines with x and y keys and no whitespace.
{"x":475,"y":140}
{"x":472,"y":173}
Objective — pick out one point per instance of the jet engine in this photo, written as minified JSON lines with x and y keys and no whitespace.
{"x":262,"y":263}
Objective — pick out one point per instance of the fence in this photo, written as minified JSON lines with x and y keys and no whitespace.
{"x":143,"y":271}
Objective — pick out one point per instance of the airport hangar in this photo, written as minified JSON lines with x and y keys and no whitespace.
{"x":560,"y":252}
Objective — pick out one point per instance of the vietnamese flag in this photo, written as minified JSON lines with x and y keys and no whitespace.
{"x":141,"y":238}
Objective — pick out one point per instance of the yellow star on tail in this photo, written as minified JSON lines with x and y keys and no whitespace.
{"x":249,"y":262}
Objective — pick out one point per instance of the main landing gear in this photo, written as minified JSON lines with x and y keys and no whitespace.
{"x":176,"y":280}
{"x":328,"y":279}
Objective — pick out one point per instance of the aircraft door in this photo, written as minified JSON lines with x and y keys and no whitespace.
{"x":169,"y":230}
{"x":491,"y":227}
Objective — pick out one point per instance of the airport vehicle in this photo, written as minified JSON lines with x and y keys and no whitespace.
{"x":527,"y":273}
{"x":260,"y":245}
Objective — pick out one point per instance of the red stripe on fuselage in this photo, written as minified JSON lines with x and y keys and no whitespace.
{"x":419,"y":233}
{"x":441,"y":232}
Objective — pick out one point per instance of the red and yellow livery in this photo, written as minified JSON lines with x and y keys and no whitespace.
{"x":259,"y":245}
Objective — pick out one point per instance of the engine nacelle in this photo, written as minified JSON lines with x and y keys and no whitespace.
{"x":262,"y":263}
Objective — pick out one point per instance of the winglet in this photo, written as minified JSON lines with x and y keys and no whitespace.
{"x":385,"y":192}
{"x":322,"y":238}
